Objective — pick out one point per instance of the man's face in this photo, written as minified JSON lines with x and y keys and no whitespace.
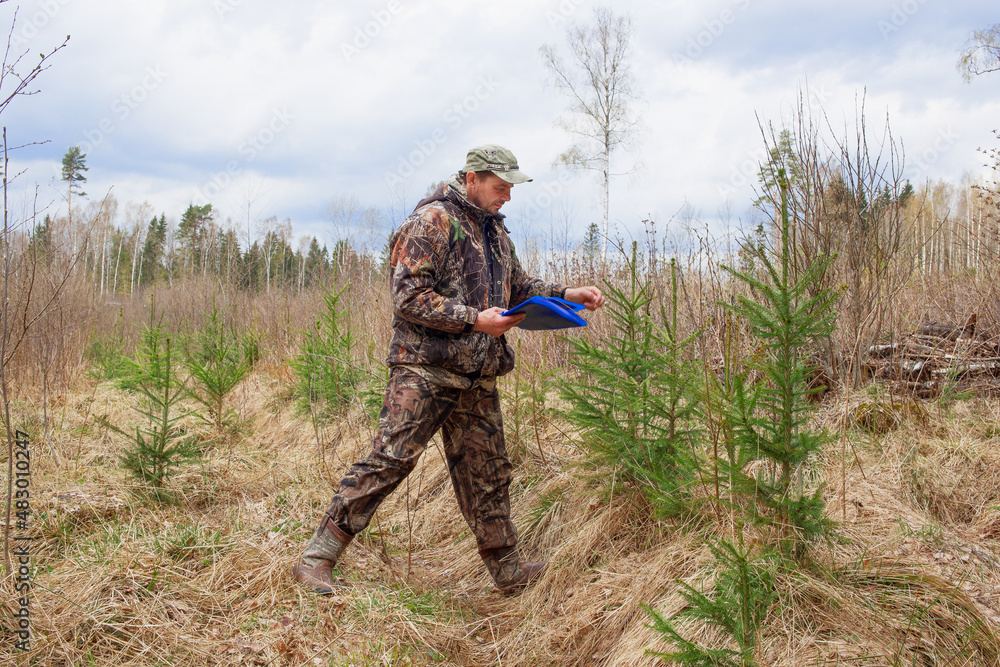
{"x":487,"y":191}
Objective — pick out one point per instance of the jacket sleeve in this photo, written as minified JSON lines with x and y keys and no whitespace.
{"x":419,"y":251}
{"x":523,"y":286}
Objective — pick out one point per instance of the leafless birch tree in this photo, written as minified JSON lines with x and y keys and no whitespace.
{"x":598,"y":80}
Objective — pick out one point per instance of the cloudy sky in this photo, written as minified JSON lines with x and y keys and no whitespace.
{"x":278,"y":109}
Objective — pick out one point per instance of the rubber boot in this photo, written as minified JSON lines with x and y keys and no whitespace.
{"x":315,"y":569}
{"x":509,"y":572}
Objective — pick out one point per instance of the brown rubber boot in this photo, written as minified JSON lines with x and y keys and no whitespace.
{"x":511,"y":574}
{"x":315,"y":569}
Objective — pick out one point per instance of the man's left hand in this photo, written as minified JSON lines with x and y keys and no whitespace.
{"x":589,"y":296}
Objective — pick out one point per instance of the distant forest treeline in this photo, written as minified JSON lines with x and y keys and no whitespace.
{"x":125,"y":258}
{"x":941,"y":226}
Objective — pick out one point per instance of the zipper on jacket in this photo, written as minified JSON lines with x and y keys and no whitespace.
{"x":488,"y":254}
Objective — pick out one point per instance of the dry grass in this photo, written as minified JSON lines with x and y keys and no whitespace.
{"x":204,"y":578}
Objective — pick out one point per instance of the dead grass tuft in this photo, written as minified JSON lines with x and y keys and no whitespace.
{"x":203,"y":578}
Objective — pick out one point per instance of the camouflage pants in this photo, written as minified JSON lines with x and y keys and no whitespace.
{"x":472,"y":428}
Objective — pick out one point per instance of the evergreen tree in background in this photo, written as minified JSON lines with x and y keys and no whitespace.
{"x":317,"y":260}
{"x":41,"y":240}
{"x":152,"y":250}
{"x":191,"y":232}
{"x":74,"y":163}
{"x":592,"y":242}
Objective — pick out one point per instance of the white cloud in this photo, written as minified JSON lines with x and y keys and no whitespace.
{"x":171,"y":94}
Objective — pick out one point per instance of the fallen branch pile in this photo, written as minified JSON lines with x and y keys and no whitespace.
{"x":935,"y":357}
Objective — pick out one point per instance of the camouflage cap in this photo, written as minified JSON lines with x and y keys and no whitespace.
{"x":496,"y":159}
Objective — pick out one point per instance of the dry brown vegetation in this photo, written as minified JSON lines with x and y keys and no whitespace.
{"x":198,"y":573}
{"x":203,"y":576}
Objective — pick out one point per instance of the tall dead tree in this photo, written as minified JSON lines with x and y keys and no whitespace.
{"x":598,"y":80}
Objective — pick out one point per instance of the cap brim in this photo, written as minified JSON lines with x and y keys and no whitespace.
{"x":514,"y":177}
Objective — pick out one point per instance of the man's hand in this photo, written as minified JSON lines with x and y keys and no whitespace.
{"x":491,"y":321}
{"x":589,"y":296}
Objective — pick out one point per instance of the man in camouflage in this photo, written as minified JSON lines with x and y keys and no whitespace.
{"x":453,"y":274}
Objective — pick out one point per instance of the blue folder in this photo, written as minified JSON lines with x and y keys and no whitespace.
{"x":548,"y":312}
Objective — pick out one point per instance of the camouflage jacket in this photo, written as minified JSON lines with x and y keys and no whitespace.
{"x":450,"y":259}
